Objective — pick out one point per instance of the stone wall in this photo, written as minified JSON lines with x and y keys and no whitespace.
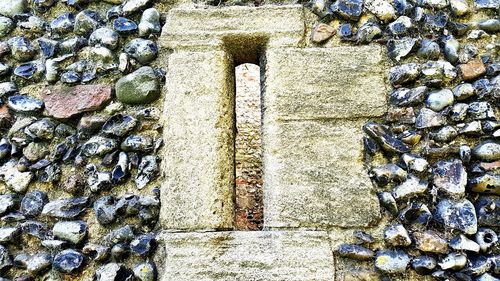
{"x":379,"y":140}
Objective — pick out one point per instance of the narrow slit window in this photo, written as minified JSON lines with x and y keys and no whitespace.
{"x":249,"y":206}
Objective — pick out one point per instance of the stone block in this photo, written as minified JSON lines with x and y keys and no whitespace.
{"x":255,"y":255}
{"x":317,"y":83}
{"x":198,"y":163}
{"x":314,"y":175}
{"x":273,"y":25}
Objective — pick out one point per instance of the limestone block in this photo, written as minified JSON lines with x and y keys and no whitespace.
{"x":314,"y":83}
{"x":314,"y":175}
{"x":189,"y":27}
{"x":198,"y":163}
{"x":257,"y":255}
{"x":313,"y":168}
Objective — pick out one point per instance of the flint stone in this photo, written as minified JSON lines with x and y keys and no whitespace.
{"x":392,"y":261}
{"x":140,"y":86}
{"x":71,"y":231}
{"x":65,"y":208}
{"x":450,"y":176}
{"x":457,"y":214}
{"x":64,"y":103}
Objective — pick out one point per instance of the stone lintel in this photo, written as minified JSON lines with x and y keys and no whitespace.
{"x":210,"y":27}
{"x":248,"y":255}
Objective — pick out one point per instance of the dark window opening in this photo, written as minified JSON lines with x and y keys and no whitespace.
{"x":249,"y":205}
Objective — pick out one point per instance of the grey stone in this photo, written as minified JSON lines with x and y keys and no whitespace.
{"x":391,"y":261}
{"x":348,"y":9}
{"x":429,"y":50}
{"x":486,"y":238}
{"x":25,"y":104}
{"x":423,"y":265}
{"x":463,"y":91}
{"x":405,"y":73}
{"x":141,"y":86}
{"x":34,"y":264}
{"x":33,"y":203}
{"x":488,"y":151}
{"x":12,"y":7}
{"x":411,"y":187}
{"x":7,"y":202}
{"x":63,"y":24}
{"x":113,"y":272}
{"x":401,"y":26}
{"x":438,"y":100}
{"x":120,"y":235}
{"x":400,"y":48}
{"x":368,"y":32}
{"x":132,"y":6}
{"x":148,"y":170}
{"x":41,"y":129}
{"x":150,"y":22}
{"x":457,"y":214}
{"x":382,"y":9}
{"x":145,"y":271}
{"x":104,"y":209}
{"x":143,"y":50}
{"x":450,"y":177}
{"x":5,"y":259}
{"x":397,"y":235}
{"x":66,"y":207}
{"x":86,"y":22}
{"x":98,"y":146}
{"x":138,"y":143}
{"x":9,"y":234}
{"x":462,"y":243}
{"x":428,"y":118}
{"x":68,"y":261}
{"x":71,"y":231}
{"x":453,"y":261}
{"x":21,"y":48}
{"x":144,"y":245}
{"x":105,"y":37}
{"x":406,"y":97}
{"x":6,"y":26}
{"x":355,"y":252}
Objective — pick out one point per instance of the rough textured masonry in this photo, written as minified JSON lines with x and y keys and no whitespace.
{"x":312,"y":142}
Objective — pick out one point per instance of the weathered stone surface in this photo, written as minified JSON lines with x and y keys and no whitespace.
{"x":199,"y":170}
{"x":316,"y":167}
{"x":263,"y":255}
{"x":306,"y":145}
{"x":322,"y":32}
{"x":66,"y":102}
{"x":195,"y":27}
{"x":472,"y":69}
{"x":326,"y":92}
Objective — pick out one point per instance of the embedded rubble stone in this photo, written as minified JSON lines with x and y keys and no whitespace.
{"x":388,"y":173}
{"x":148,"y":170}
{"x":430,"y":241}
{"x":450,"y":176}
{"x":68,"y":261}
{"x":453,"y":261}
{"x":322,"y":32}
{"x":438,"y":100}
{"x":66,"y":208}
{"x":411,"y":187}
{"x":391,"y":261}
{"x":12,"y":7}
{"x":13,"y":178}
{"x":486,"y":238}
{"x":66,"y":102}
{"x":428,"y":118}
{"x":71,"y":231}
{"x":488,"y":211}
{"x":397,"y":235}
{"x":35,"y":263}
{"x":141,"y":86}
{"x":462,"y":243}
{"x":145,"y":271}
{"x":25,"y":104}
{"x":113,"y":272}
{"x":9,"y":234}
{"x":150,"y":22}
{"x":98,"y":146}
{"x":457,"y":214}
{"x":385,"y":138}
{"x":33,"y":203}
{"x":423,"y":265}
{"x":487,"y":184}
{"x":144,"y":245}
{"x":488,"y":151}
{"x":405,"y":73}
{"x":348,"y":9}
{"x":5,"y":259}
{"x":105,"y":210}
{"x":472,"y":70}
{"x":382,"y":9}
{"x":355,"y":252}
